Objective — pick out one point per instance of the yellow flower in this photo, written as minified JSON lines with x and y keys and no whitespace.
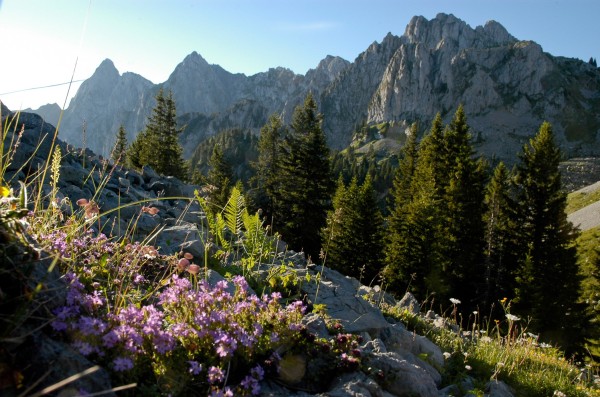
{"x":4,"y":191}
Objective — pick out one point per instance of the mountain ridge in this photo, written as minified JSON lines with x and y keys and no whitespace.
{"x":507,"y":86}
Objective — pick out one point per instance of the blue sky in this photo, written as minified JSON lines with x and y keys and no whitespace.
{"x":150,"y":37}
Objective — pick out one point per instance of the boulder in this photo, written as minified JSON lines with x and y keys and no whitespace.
{"x":182,"y":237}
{"x":401,"y":377}
{"x":339,"y":295}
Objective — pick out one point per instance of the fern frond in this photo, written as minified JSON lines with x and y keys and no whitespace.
{"x":234,"y":211}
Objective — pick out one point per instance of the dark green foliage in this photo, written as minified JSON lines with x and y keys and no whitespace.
{"x":414,"y":221}
{"x":353,"y":237}
{"x":266,"y":183}
{"x":501,"y":254}
{"x":549,"y":282}
{"x":593,"y":62}
{"x":239,"y":149}
{"x":463,"y":229}
{"x":158,"y":145}
{"x":219,"y":179}
{"x":435,"y":241}
{"x":349,"y":164}
{"x":306,"y":183}
{"x":119,"y":152}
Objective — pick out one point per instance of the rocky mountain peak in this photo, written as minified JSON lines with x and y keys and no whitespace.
{"x":448,"y":30}
{"x":106,"y":71}
{"x":496,"y":32}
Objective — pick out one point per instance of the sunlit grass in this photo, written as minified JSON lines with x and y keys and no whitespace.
{"x":489,"y":352}
{"x":578,"y":200}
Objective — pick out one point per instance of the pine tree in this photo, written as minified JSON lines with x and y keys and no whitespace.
{"x":267,"y":179}
{"x":119,"y":152}
{"x":549,"y":281}
{"x":307,"y":185}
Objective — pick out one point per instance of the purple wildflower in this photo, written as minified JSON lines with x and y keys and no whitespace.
{"x":215,"y":375}
{"x":122,"y":364}
{"x":195,"y":367}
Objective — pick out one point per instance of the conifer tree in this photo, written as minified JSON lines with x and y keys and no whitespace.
{"x":306,"y":183}
{"x":119,"y":152}
{"x":137,"y":154}
{"x":462,"y":206}
{"x":501,"y":257}
{"x":411,"y":255}
{"x":158,"y":145}
{"x":435,"y":243}
{"x":406,"y":170}
{"x":353,"y":237}
{"x":548,"y":285}
{"x":267,"y":179}
{"x":220,"y":179}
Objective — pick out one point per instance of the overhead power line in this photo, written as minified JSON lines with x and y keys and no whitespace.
{"x":41,"y":87}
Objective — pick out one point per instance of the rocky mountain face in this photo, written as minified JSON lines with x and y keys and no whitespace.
{"x":507,"y":86}
{"x":104,"y":102}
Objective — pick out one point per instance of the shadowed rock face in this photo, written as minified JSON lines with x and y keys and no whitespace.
{"x":507,"y":86}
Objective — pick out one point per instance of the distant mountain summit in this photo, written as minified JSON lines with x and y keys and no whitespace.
{"x":507,"y":86}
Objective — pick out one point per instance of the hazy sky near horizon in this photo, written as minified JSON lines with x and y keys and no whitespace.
{"x":42,"y":39}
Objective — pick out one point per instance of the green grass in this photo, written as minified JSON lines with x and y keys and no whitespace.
{"x":578,"y":200}
{"x":487,"y":353}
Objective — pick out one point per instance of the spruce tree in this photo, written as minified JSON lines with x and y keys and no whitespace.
{"x":501,"y":254}
{"x":548,"y":285}
{"x":267,"y":179}
{"x":462,"y":206}
{"x":137,"y":154}
{"x":306,"y":183}
{"x":220,"y":179}
{"x":414,"y":226}
{"x":158,"y":145}
{"x":119,"y":152}
{"x":353,"y":237}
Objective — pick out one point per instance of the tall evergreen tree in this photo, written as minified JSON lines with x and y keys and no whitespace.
{"x":501,"y":254}
{"x":414,"y":224}
{"x":119,"y":152}
{"x":220,"y":179}
{"x":267,"y":179}
{"x":435,"y":242}
{"x":158,"y":145}
{"x":549,"y":281}
{"x":307,"y":185}
{"x":463,"y":210}
{"x":353,"y":236}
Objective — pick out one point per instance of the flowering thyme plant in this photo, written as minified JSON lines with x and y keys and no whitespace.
{"x":187,"y":334}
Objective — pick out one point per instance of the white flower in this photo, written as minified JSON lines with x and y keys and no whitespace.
{"x":512,"y":317}
{"x":558,"y":393}
{"x":468,"y":367}
{"x":447,"y":355}
{"x":454,"y":301}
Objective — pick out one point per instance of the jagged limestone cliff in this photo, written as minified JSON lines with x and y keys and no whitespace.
{"x":507,"y":86}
